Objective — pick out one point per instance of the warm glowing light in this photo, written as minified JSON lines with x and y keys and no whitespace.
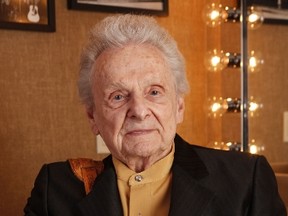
{"x":215,"y":107}
{"x":229,"y":144}
{"x":218,"y":106}
{"x":255,"y":18}
{"x":255,"y":61}
{"x":253,"y":106}
{"x":253,"y":149}
{"x":214,"y":14}
{"x":215,"y":60}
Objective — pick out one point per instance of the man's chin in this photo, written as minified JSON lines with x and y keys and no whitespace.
{"x":146,"y":150}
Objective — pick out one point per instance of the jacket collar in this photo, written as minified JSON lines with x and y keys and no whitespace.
{"x":187,"y":158}
{"x":104,"y":199}
{"x":188,"y":197}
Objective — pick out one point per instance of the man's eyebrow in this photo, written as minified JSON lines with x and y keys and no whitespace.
{"x":111,"y":87}
{"x":115,"y":85}
{"x":149,"y":82}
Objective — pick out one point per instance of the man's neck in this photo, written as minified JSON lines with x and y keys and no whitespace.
{"x":139,"y":164}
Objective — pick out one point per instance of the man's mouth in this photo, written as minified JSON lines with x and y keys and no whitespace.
{"x":139,"y":132}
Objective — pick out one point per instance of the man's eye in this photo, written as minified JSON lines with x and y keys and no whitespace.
{"x":154,"y":92}
{"x":118,"y":97}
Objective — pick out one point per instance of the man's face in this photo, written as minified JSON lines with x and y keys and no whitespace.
{"x":136,"y":106}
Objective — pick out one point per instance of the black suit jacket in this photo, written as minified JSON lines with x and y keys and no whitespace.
{"x":205,"y":182}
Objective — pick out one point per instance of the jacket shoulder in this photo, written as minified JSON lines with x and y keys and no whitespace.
{"x":217,"y":161}
{"x":208,"y":154}
{"x":56,"y":189}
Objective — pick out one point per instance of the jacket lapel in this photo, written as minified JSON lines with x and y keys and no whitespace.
{"x":188,"y":196}
{"x":104,"y":199}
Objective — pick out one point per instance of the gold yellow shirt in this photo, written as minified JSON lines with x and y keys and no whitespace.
{"x":146,"y":193}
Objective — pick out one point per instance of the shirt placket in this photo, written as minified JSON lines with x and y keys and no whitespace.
{"x":140,"y":199}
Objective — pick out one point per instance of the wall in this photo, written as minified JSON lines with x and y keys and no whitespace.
{"x":269,"y":87}
{"x":41,"y":119}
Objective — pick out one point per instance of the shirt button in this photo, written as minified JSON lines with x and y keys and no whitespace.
{"x":138,"y":178}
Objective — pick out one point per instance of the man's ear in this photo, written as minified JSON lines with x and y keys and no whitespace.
{"x":180,"y":109}
{"x":93,"y":125}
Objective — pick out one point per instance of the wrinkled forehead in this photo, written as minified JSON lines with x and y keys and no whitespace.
{"x":131,"y":59}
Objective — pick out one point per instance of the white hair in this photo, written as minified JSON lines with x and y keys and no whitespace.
{"x":119,"y":30}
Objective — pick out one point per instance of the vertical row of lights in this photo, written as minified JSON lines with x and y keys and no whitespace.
{"x":217,"y":60}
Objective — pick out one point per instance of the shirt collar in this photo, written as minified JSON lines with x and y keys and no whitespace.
{"x":154,"y":173}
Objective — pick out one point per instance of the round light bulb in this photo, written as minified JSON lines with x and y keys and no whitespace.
{"x":214,"y":14}
{"x":216,"y":60}
{"x":255,"y":61}
{"x":253,"y":149}
{"x":216,"y":108}
{"x":254,"y":106}
{"x":255,"y":18}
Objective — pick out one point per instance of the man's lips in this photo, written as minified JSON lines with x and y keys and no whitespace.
{"x":137,"y":132}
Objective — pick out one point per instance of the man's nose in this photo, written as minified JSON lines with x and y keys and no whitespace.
{"x":138,"y":108}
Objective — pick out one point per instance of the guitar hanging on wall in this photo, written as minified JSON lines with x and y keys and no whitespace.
{"x":33,"y":14}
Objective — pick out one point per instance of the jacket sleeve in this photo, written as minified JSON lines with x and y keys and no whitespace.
{"x":265,"y":199}
{"x":37,"y":202}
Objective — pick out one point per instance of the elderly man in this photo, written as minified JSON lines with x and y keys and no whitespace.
{"x":132,"y":83}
